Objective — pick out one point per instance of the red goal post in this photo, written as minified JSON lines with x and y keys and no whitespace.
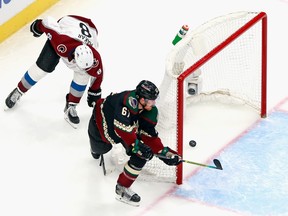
{"x":263,"y":75}
{"x":230,"y":54}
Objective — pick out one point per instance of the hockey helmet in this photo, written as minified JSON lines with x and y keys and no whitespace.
{"x":147,"y":90}
{"x":83,"y":56}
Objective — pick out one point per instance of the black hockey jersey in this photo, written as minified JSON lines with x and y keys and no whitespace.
{"x":119,"y":120}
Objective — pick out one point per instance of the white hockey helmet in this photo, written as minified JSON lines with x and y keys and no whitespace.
{"x":83,"y":56}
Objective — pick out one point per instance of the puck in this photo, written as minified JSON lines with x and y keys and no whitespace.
{"x":192,"y":143}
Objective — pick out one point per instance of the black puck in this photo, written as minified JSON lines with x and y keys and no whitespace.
{"x":192,"y":143}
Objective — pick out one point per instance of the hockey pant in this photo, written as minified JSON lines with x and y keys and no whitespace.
{"x":46,"y":63}
{"x":97,"y":145}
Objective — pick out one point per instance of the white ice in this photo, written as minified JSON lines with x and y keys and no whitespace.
{"x":45,"y":164}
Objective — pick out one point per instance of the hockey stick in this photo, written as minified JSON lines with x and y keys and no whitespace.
{"x":102,"y":163}
{"x":106,"y":171}
{"x":215,"y":161}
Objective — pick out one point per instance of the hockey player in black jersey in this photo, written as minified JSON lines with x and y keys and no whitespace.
{"x":129,"y":118}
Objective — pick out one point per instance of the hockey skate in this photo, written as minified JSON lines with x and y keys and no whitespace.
{"x":70,"y":114}
{"x":127,"y":196}
{"x":12,"y":98}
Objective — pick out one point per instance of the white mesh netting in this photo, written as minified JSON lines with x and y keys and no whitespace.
{"x":233,"y":75}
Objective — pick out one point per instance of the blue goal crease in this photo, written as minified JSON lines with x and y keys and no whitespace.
{"x":254,"y":178}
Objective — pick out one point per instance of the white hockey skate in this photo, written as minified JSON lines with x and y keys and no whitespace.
{"x":126,"y":195}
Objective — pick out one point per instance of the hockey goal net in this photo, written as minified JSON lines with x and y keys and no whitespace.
{"x":226,"y":58}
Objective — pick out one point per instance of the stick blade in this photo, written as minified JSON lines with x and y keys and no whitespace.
{"x":217,"y":164}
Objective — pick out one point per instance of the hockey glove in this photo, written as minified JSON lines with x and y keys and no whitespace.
{"x":142,"y":150}
{"x":34,"y":28}
{"x":93,"y":96}
{"x":172,"y":158}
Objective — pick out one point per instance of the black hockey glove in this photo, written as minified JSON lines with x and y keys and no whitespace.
{"x":93,"y":96}
{"x":34,"y":29}
{"x":142,"y":150}
{"x":171,"y":157}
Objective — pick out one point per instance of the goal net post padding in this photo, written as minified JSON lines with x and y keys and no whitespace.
{"x":229,"y":55}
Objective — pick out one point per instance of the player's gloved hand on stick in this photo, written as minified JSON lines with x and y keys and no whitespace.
{"x":93,"y":96}
{"x":171,"y":157}
{"x":142,"y":150}
{"x":34,"y":28}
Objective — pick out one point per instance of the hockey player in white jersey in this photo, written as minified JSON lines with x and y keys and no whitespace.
{"x":74,"y":40}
